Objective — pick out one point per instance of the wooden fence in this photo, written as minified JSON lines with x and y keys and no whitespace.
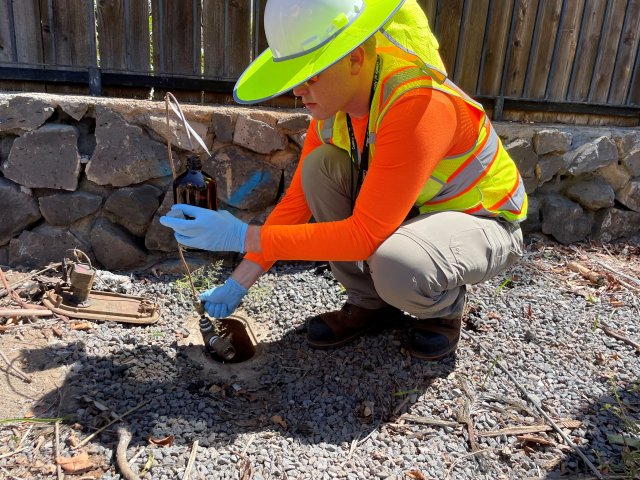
{"x":542,"y":60}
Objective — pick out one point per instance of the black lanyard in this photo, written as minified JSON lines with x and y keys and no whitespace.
{"x":363,"y":164}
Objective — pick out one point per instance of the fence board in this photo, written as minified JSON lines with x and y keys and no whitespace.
{"x":629,"y":42}
{"x":121,"y":24}
{"x":565,"y":49}
{"x":28,"y":45}
{"x":448,"y":31}
{"x":542,"y":49}
{"x":470,"y":54}
{"x":261,"y":44}
{"x":227,"y":44}
{"x":176,"y":36}
{"x":520,"y":47}
{"x":634,"y":92}
{"x":72,"y":39}
{"x":240,"y":36}
{"x":6,"y":43}
{"x":585,"y":59}
{"x":606,"y":55}
{"x":495,"y":48}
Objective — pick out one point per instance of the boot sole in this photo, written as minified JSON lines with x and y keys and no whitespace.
{"x":431,"y":357}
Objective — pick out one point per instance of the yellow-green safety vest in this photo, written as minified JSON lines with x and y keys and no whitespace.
{"x":483,"y":181}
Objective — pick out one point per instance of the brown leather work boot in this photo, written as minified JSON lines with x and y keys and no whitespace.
{"x":434,"y":339}
{"x":337,"y":328}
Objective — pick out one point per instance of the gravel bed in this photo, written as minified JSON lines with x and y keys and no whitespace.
{"x":351,"y":412}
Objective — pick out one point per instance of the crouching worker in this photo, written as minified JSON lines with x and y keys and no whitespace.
{"x":412,"y":192}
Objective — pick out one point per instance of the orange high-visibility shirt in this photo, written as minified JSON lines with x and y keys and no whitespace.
{"x":419,"y":130}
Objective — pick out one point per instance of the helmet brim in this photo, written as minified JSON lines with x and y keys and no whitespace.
{"x":266,"y":78}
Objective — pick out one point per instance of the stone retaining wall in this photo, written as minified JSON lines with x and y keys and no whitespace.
{"x":94,"y":174}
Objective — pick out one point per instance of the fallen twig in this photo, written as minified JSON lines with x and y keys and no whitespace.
{"x":619,"y":336}
{"x":15,"y":296}
{"x":464,"y":417}
{"x":24,"y":312}
{"x":538,"y":440}
{"x":536,"y":403}
{"x":117,"y":419}
{"x":124,"y":437}
{"x":5,"y":292}
{"x":590,"y":275}
{"x":57,"y":450}
{"x":516,"y":430}
{"x":5,"y":455}
{"x":435,"y":422}
{"x":20,"y":373}
{"x":623,"y":275}
{"x":192,"y":460}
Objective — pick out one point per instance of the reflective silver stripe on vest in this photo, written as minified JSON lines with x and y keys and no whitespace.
{"x":327,"y":129}
{"x":472,"y":173}
{"x":515,"y":201}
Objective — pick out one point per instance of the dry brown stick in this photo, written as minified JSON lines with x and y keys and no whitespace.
{"x":5,"y":292}
{"x":192,"y":460}
{"x":524,"y":429}
{"x":15,"y":296}
{"x":57,"y":450}
{"x":24,"y":312}
{"x":117,"y":419}
{"x":124,"y":437}
{"x":436,"y":422}
{"x":464,"y":417}
{"x":536,"y":403}
{"x":590,"y":275}
{"x":5,"y":455}
{"x":22,"y":375}
{"x":620,"y":337}
{"x":623,"y":275}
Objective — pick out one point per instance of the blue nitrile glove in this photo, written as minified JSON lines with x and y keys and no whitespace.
{"x":217,"y":231}
{"x":220,"y":302}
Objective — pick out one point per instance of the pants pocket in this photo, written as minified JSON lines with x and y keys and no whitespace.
{"x":480,"y":253}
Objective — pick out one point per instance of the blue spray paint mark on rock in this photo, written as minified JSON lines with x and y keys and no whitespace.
{"x":249,"y":186}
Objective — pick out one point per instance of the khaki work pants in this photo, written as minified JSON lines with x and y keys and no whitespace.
{"x":424,"y":266}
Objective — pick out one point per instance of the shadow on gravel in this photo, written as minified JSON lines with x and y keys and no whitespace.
{"x":612,"y":426}
{"x":309,"y":395}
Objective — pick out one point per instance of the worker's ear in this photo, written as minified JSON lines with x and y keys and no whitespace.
{"x":357,"y":58}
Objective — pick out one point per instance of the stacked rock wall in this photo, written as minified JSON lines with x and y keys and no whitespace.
{"x":94,"y":174}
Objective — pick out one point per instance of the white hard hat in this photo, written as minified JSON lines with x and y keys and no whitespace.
{"x":297,"y":27}
{"x":306,"y":37}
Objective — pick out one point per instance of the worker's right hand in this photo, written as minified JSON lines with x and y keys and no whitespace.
{"x":220,"y":302}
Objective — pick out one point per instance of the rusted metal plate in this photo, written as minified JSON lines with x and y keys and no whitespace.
{"x":111,"y":307}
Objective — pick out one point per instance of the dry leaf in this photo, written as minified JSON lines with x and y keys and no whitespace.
{"x":80,"y":326}
{"x":78,"y":464}
{"x":600,"y":358}
{"x":215,"y":389}
{"x":166,"y":441}
{"x":494,"y":315}
{"x":415,"y":475}
{"x":57,"y":331}
{"x":73,"y":441}
{"x":278,"y":420}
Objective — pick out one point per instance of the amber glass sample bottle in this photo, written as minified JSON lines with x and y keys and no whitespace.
{"x":194,"y":187}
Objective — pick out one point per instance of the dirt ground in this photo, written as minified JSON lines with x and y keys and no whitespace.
{"x":34,"y":389}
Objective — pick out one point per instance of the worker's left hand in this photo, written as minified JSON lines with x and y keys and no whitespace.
{"x":220,"y":302}
{"x":217,"y":231}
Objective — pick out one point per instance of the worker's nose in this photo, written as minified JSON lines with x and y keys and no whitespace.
{"x":301,"y":90}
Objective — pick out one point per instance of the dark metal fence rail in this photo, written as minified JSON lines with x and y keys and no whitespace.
{"x":579,"y":56}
